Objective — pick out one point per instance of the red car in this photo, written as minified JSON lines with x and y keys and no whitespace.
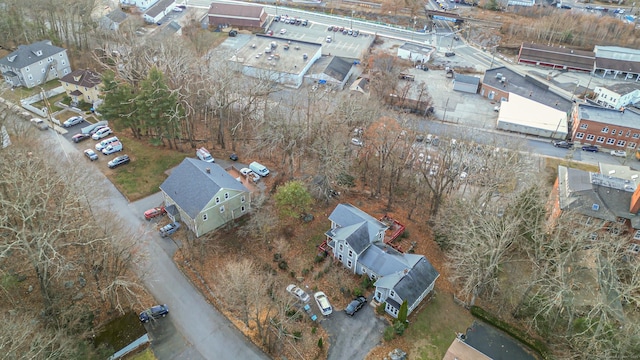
{"x":156,"y":211}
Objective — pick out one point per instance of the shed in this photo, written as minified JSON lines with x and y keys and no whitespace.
{"x":526,"y":116}
{"x":466,"y":83}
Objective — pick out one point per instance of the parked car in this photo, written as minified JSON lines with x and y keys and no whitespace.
{"x":80,"y":137}
{"x":449,"y":54}
{"x":233,"y":157}
{"x":330,"y":28}
{"x":155,"y":212}
{"x":39,"y":123}
{"x":112,"y":148}
{"x":619,"y":153}
{"x":117,"y":161}
{"x":298,"y":293}
{"x":283,"y":31}
{"x":106,"y":142}
{"x":562,"y":144}
{"x":91,"y":154}
{"x":169,"y":229}
{"x":204,"y":155}
{"x":590,"y":148}
{"x":259,"y":169}
{"x":73,"y":121}
{"x":305,"y":22}
{"x":153,"y":313}
{"x":101,"y":133}
{"x":250,"y":174}
{"x":356,"y":33}
{"x":357,"y":142}
{"x":270,"y":32}
{"x":323,"y":303}
{"x":355,"y":305}
{"x":328,"y":39}
{"x":276,"y":19}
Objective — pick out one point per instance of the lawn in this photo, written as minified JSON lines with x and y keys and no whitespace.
{"x":435,"y":327}
{"x":147,"y":354}
{"x":551,"y":167}
{"x":146,"y":171}
{"x":19,"y":93}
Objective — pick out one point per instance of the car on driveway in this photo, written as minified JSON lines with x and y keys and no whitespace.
{"x":323,"y":303}
{"x":73,"y":121}
{"x":155,"y":212}
{"x":298,"y":293}
{"x":590,"y":148}
{"x":619,"y":153}
{"x":355,"y":305}
{"x":91,"y":154}
{"x":153,"y":313}
{"x":169,"y":229}
{"x":250,"y":174}
{"x":357,"y":142}
{"x":562,"y":144}
{"x":80,"y":137}
{"x":117,"y":161}
{"x":101,"y":133}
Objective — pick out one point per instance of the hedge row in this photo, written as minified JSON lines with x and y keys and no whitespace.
{"x":534,"y":344}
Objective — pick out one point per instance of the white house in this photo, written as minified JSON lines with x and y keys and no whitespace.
{"x":415,"y":53}
{"x":35,"y":64}
{"x":618,"y":95}
{"x":141,"y":4}
{"x":159,"y":10}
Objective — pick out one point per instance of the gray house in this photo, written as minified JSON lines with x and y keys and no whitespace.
{"x":35,"y":64}
{"x":203,"y":196}
{"x":357,"y":241}
{"x":112,"y":21}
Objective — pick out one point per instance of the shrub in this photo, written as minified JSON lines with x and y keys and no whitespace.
{"x":277,"y":257}
{"x":320,"y":343}
{"x":292,"y":274}
{"x":380,"y":309}
{"x":297,"y":335}
{"x":366,"y":282}
{"x":399,"y":327}
{"x":282,"y":265}
{"x":305,"y":272}
{"x":314,"y":330}
{"x":346,"y":180}
{"x":356,"y":291}
{"x":405,"y":234}
{"x":389,"y":334}
{"x":319,"y":258}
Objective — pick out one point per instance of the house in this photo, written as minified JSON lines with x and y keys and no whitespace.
{"x":610,"y":128}
{"x":356,"y":239}
{"x":553,"y":57}
{"x":466,"y":83}
{"x":82,"y":85}
{"x":617,"y":60}
{"x":157,"y":11}
{"x":415,"y":53}
{"x":222,"y":14}
{"x":203,"y":196}
{"x":499,"y":82}
{"x":525,"y":116}
{"x":140,"y":4}
{"x":35,"y":64}
{"x":112,"y":21}
{"x":618,"y":95}
{"x":484,"y":342}
{"x":331,"y":70}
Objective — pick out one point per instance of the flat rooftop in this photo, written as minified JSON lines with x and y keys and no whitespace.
{"x":614,"y":117}
{"x":291,"y":61}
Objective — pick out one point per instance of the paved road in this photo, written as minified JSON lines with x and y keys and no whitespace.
{"x":203,"y":332}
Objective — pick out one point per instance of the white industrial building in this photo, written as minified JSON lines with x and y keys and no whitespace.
{"x":526,"y":116}
{"x":618,"y":95}
{"x":281,"y":60}
{"x":414,"y":52}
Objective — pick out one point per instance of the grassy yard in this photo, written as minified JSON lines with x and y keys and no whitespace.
{"x":17,"y":94}
{"x":147,"y":354}
{"x":551,"y":167}
{"x":435,"y":327}
{"x":52,"y":101}
{"x":146,"y":171}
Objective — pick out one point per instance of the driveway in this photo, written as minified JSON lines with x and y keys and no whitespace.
{"x":353,"y":337}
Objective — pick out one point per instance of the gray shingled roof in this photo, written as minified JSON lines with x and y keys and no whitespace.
{"x":356,"y":235}
{"x":347,"y":214}
{"x":159,"y":7}
{"x":26,"y":55}
{"x":191,"y":187}
{"x":609,"y":116}
{"x":384,"y":260}
{"x":467,"y":79}
{"x":338,"y":68}
{"x":87,"y":78}
{"x":416,"y":281}
{"x":117,"y":16}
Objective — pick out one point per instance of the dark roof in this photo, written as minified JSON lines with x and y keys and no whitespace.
{"x":250,"y":11}
{"x":620,"y":65}
{"x":609,"y":116}
{"x":466,"y":79}
{"x":26,"y":55}
{"x":338,"y":68}
{"x":159,"y":7}
{"x":117,"y":16}
{"x":84,"y":78}
{"x":526,"y":86}
{"x":495,"y":344}
{"x":191,"y":187}
{"x":76,"y":93}
{"x":578,"y":59}
{"x":416,"y":281}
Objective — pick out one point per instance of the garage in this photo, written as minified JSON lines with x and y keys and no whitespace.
{"x":466,"y":83}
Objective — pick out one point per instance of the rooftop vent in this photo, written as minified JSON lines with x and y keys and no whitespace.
{"x":499,"y":76}
{"x":611,"y":172}
{"x":595,"y":207}
{"x":208,"y":170}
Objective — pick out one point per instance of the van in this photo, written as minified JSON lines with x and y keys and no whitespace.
{"x":204,"y":155}
{"x":104,"y":143}
{"x":259,"y":169}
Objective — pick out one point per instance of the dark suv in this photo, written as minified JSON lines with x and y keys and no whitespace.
{"x":562,"y":144}
{"x":355,"y":305}
{"x":155,"y":312}
{"x":590,"y":148}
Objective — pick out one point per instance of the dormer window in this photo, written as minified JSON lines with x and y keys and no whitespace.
{"x":77,"y":78}
{"x":38,"y":52}
{"x":12,"y":58}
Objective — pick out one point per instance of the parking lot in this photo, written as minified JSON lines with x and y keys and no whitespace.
{"x":343,"y":45}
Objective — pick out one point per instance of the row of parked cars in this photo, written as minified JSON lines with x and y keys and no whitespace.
{"x":290,"y":20}
{"x":588,"y":148}
{"x":323,"y":301}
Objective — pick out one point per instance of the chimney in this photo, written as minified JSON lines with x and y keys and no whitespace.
{"x":208,"y":170}
{"x":634,"y":207}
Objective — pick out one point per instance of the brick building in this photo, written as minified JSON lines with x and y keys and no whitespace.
{"x":608,"y":128}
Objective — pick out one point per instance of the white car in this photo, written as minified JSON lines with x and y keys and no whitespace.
{"x":298,"y":293}
{"x":283,"y":31}
{"x":112,"y":148}
{"x":357,"y":142}
{"x":619,"y":153}
{"x":101,"y":133}
{"x":323,"y":303}
{"x":250,"y":174}
{"x":73,"y":121}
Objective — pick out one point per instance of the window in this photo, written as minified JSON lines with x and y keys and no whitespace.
{"x":392,"y":293}
{"x":611,"y":141}
{"x":341,"y":247}
{"x":632,"y":145}
{"x":43,"y":70}
{"x":26,"y":69}
{"x":204,"y":217}
{"x":64,"y":62}
{"x":579,"y":135}
{"x":226,"y":196}
{"x":217,"y":200}
{"x":600,"y":139}
{"x":635,"y":136}
{"x":40,"y":62}
{"x":350,"y":253}
{"x":590,"y":137}
{"x":492,"y":94}
{"x":221,"y":209}
{"x":349,"y":264}
{"x":636,"y":236}
{"x":605,"y":130}
{"x":584,"y":126}
{"x":621,"y":143}
{"x":613,"y":131}
{"x":628,"y":133}
{"x":340,"y":257}
{"x":242,"y":198}
{"x":30,"y":77}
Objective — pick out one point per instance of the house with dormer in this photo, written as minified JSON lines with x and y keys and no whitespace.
{"x":82,"y":85}
{"x":35,"y":64}
{"x":356,"y":239}
{"x":203,"y":196}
